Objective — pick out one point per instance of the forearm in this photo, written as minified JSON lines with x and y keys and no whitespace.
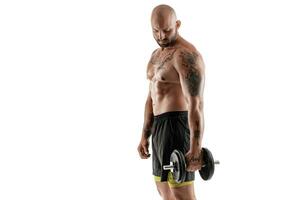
{"x":148,"y":119}
{"x":196,"y":125}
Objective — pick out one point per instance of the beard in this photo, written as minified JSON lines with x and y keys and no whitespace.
{"x":167,"y":42}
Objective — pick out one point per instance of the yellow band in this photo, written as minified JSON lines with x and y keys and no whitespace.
{"x":171,"y":182}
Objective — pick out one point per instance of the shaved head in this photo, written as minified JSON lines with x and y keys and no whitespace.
{"x":163,"y":12}
{"x":164,"y":25}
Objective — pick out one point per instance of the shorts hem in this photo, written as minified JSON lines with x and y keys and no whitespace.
{"x":172,"y":183}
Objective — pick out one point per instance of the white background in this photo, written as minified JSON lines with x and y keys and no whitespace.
{"x":73,"y":87}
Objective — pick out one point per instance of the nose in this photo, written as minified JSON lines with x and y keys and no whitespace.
{"x":161,"y":35}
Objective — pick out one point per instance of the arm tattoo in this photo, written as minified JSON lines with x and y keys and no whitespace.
{"x":197,"y":132}
{"x":197,"y":136}
{"x":192,"y":78}
{"x":147,"y":131}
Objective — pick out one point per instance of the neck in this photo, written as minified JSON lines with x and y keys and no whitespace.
{"x":174,"y":43}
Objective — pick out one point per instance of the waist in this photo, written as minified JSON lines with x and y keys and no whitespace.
{"x":166,"y":115}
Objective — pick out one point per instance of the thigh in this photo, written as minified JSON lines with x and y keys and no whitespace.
{"x":185,"y":192}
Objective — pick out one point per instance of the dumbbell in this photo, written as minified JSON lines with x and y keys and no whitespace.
{"x":178,"y":165}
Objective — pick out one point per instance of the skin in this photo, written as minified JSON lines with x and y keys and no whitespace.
{"x":176,"y":75}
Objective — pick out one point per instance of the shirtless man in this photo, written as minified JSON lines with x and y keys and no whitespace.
{"x":174,"y":107}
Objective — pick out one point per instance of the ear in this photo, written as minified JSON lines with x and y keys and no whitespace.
{"x":178,"y":23}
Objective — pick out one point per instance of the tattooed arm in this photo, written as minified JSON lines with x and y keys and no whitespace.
{"x":190,"y":68}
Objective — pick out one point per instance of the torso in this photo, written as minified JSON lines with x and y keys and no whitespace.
{"x":165,"y":88}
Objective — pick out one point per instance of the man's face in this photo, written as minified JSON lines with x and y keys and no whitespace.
{"x":165,"y":34}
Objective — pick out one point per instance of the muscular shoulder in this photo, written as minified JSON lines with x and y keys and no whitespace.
{"x":187,"y":57}
{"x":154,"y":54}
{"x":189,"y":65}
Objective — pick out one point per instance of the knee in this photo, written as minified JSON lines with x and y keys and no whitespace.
{"x":183,"y":196}
{"x":167,"y":195}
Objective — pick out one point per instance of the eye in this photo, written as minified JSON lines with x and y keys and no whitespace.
{"x":154,"y":30}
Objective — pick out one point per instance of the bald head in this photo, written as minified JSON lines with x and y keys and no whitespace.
{"x":163,"y":13}
{"x":164,"y":25}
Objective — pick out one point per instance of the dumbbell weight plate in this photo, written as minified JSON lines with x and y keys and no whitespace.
{"x":178,"y":159}
{"x":208,"y":169}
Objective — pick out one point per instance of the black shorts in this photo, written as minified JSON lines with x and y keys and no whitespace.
{"x":170,"y":131}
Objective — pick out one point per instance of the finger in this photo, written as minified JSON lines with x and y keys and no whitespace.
{"x":141,"y":152}
{"x":147,"y":155}
{"x":146,"y":150}
{"x":189,"y":169}
{"x":192,"y":167}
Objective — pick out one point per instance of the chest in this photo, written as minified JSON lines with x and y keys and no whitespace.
{"x":161,"y":67}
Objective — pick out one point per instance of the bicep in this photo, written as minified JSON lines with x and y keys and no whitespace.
{"x":190,"y":68}
{"x":192,"y":91}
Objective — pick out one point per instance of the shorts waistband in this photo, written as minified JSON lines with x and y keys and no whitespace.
{"x":171,"y":114}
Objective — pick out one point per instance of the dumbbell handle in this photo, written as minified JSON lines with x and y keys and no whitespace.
{"x":216,"y":162}
{"x":171,"y":165}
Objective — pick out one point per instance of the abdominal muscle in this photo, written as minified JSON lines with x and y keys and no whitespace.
{"x":167,"y":97}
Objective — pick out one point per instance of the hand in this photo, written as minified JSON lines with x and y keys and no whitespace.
{"x":143,"y":148}
{"x":194,"y":160}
